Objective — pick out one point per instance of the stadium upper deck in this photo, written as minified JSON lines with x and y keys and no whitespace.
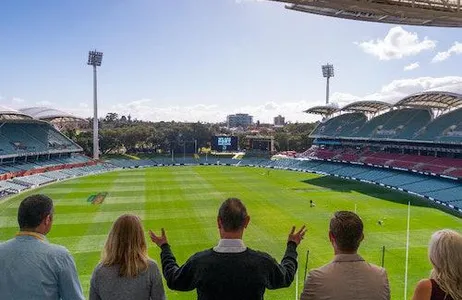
{"x":429,"y":117}
{"x":21,"y":135}
{"x":442,"y":13}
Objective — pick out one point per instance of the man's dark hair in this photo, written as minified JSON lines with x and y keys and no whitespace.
{"x":33,"y":210}
{"x":232,"y":214}
{"x":347,"y":229}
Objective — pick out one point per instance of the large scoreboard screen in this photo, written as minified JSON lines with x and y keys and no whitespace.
{"x":225,"y":143}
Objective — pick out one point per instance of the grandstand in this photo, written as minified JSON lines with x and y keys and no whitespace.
{"x":22,"y":136}
{"x":34,"y":153}
{"x":418,"y":136}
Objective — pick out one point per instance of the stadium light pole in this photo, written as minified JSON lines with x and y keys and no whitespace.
{"x":327,"y":72}
{"x":94,"y":59}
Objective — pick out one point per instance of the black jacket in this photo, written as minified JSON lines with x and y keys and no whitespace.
{"x":233,"y":276}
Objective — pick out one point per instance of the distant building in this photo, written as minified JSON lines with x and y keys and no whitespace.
{"x":239,"y":120}
{"x":279,"y":121}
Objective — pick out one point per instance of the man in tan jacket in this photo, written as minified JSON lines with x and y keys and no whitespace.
{"x":348,"y":276}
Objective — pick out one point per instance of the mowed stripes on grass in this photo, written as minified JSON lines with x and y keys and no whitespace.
{"x":185,"y":201}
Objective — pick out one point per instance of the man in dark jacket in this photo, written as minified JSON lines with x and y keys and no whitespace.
{"x":230,"y":270}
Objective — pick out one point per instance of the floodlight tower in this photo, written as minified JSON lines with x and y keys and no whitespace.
{"x":327,"y":72}
{"x":94,"y":59}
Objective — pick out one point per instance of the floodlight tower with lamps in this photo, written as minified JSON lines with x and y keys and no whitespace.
{"x":327,"y":72}
{"x":94,"y":59}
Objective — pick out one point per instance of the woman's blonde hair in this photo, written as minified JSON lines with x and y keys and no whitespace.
{"x":126,"y":246}
{"x":445,"y":254}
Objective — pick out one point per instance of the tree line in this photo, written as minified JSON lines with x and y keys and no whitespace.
{"x":121,"y":134}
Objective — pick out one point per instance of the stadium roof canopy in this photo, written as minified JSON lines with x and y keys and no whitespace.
{"x":49,"y":114}
{"x":7,"y":113}
{"x":437,"y":100}
{"x":441,"y":13}
{"x":366,"y":106}
{"x":322,"y":110}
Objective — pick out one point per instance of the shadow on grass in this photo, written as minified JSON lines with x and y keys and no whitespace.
{"x":348,"y":186}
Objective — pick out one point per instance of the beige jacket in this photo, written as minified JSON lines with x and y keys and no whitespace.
{"x":347,"y":277}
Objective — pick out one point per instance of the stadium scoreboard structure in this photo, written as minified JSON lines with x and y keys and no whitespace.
{"x":225,"y":143}
{"x":437,"y":13}
{"x":262,"y":144}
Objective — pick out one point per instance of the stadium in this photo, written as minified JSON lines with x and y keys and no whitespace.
{"x":368,"y":156}
{"x":397,"y":165}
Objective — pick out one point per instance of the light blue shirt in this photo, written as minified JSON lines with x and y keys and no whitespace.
{"x":31,"y":268}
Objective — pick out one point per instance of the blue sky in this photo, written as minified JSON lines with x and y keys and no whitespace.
{"x":200,"y":60}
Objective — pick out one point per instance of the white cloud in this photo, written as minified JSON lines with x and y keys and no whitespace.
{"x":412,"y":66}
{"x":398,"y":89}
{"x":145,"y":109}
{"x":342,"y":99}
{"x":17,"y":100}
{"x":398,"y":43}
{"x":44,"y":103}
{"x":455,"y":49}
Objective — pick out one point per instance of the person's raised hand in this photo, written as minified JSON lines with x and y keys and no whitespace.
{"x":158,"y":240}
{"x":298,"y":236}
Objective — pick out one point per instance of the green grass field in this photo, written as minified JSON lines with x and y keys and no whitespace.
{"x":185,"y":201}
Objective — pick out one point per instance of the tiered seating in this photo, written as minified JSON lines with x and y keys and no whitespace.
{"x":33,"y":180}
{"x":446,"y":161}
{"x":351,"y":170}
{"x":402,"y":164}
{"x":5,"y":146}
{"x":455,"y":173}
{"x":398,"y":123}
{"x":402,"y":179}
{"x":341,"y":125}
{"x":395,"y":123}
{"x":431,"y":164}
{"x":380,"y":158}
{"x":349,"y":155}
{"x":439,"y":128}
{"x":456,"y":203}
{"x":21,"y":138}
{"x":325,"y":153}
{"x":11,"y":186}
{"x":432,"y":168}
{"x":374,"y":174}
{"x":286,"y":163}
{"x":371,"y":126}
{"x":423,"y":186}
{"x":30,"y":165}
{"x":449,"y":194}
{"x":416,"y":121}
{"x":56,"y":175}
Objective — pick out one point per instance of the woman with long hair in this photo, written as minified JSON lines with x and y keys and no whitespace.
{"x":125,"y":270}
{"x":445,"y":254}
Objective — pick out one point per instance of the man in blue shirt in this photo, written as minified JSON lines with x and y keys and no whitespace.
{"x":31,"y":267}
